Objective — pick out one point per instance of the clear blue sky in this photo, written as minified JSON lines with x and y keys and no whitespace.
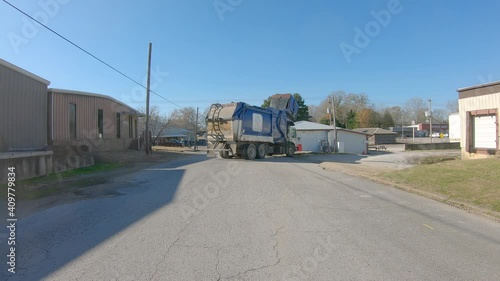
{"x":257,"y":48}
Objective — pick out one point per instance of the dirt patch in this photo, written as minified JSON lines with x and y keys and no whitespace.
{"x":159,"y":154}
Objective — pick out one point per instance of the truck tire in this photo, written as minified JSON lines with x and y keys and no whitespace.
{"x":261,"y":151}
{"x":290,"y":150}
{"x":224,"y":154}
{"x":241,"y":150}
{"x":250,"y":151}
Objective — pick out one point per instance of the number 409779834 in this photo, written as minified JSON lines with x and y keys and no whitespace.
{"x":11,"y":177}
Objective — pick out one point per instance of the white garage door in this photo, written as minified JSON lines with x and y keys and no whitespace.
{"x":485,"y":132}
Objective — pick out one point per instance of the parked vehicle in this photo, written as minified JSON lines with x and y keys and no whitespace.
{"x":242,"y":130}
{"x":173,"y":142}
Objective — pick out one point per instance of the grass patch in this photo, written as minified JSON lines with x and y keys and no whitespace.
{"x":475,"y":182}
{"x":47,"y":185}
{"x":100,"y":167}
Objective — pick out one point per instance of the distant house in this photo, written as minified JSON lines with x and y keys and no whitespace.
{"x":479,"y":107}
{"x":81,"y":123}
{"x":23,"y":118}
{"x":179,"y":134}
{"x":378,"y":135}
{"x":317,"y":137}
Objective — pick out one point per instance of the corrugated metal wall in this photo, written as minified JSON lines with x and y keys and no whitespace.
{"x":476,"y":103}
{"x":23,"y":112}
{"x":86,"y":117}
{"x":353,"y":143}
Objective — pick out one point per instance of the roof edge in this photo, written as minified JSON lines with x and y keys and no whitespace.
{"x":73,"y":92}
{"x":24,"y":72}
{"x":478,"y":86}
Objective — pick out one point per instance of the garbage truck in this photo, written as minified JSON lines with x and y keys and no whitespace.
{"x":241,"y":130}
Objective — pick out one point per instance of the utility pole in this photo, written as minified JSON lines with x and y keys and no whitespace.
{"x":333,"y":122}
{"x":402,"y":125}
{"x":196,"y":132}
{"x":147,"y":139}
{"x":430,"y":118}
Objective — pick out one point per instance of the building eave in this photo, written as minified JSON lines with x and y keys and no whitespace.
{"x":24,"y":72}
{"x":80,"y":93}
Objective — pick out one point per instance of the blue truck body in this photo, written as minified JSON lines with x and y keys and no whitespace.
{"x":243,"y":130}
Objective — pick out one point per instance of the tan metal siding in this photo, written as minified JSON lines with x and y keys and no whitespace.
{"x":86,"y":117}
{"x":23,"y":112}
{"x":476,"y":103}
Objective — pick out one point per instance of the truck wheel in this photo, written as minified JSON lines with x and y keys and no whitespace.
{"x":250,"y":152}
{"x":290,"y":150}
{"x":224,"y":154}
{"x":241,"y":151}
{"x":261,"y":151}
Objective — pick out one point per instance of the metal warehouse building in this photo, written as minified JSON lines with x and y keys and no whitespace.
{"x":479,"y":107}
{"x":317,"y":137}
{"x":81,"y":123}
{"x":23,"y":118}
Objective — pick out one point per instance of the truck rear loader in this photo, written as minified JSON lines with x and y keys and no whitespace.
{"x":241,"y":130}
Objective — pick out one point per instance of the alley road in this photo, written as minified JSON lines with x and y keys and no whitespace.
{"x":274,"y":219}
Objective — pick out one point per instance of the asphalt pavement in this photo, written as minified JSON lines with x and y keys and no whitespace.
{"x":278,"y":218}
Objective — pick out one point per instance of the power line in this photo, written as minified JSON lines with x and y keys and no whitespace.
{"x":87,"y":52}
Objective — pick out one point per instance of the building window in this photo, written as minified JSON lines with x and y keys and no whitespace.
{"x":118,"y":127}
{"x":100,"y":123}
{"x":72,"y":121}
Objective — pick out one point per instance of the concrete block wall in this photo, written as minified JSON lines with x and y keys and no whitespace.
{"x":28,"y":165}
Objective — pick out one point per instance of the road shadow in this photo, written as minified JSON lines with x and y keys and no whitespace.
{"x":308,"y":158}
{"x":57,"y":236}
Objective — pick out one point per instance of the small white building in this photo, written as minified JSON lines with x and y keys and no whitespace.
{"x":479,"y":107}
{"x":317,"y":137}
{"x":455,"y":127}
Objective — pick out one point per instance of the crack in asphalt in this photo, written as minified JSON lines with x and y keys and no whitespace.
{"x":278,"y":259}
{"x":168,"y":250}
{"x":217,"y":265}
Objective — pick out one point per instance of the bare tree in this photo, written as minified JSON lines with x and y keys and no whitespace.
{"x":313,"y":110}
{"x":347,"y":106}
{"x":202,"y":123}
{"x":157,"y":121}
{"x":415,"y":108}
{"x":452,"y":106}
{"x":396,"y":113}
{"x":440,"y":115}
{"x":184,"y":118}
